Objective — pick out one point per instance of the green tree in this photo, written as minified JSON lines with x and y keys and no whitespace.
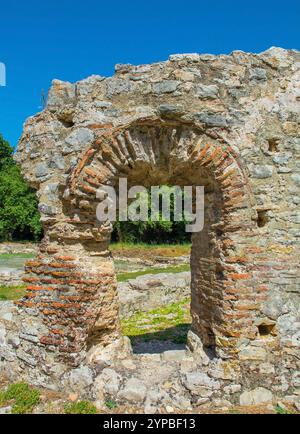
{"x":19,"y":216}
{"x":5,"y":153}
{"x":152,"y":232}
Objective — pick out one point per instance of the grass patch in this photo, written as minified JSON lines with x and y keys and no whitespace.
{"x":122,"y":277}
{"x":12,"y":292}
{"x":150,"y":250}
{"x":22,"y":397}
{"x":171,"y":323}
{"x":17,"y":255}
{"x":80,"y":407}
{"x":280,"y":410}
{"x":111,"y":404}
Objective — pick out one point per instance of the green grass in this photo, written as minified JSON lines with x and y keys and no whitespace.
{"x":171,"y":322}
{"x":17,"y":255}
{"x":122,"y":277}
{"x":21,"y":396}
{"x":281,"y":410}
{"x":80,"y":407}
{"x":12,"y":292}
{"x":182,"y":246}
{"x":150,"y":250}
{"x":111,"y":404}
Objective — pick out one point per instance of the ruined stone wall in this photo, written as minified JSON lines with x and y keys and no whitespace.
{"x":229,"y":122}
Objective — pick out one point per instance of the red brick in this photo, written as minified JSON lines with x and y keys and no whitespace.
{"x":239,"y":276}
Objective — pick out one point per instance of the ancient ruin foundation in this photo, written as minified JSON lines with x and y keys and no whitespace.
{"x":229,"y":123}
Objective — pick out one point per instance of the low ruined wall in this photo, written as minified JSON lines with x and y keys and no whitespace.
{"x":23,"y":248}
{"x":11,"y":277}
{"x":153,"y":291}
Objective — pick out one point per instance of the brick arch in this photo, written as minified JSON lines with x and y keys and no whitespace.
{"x":73,"y":284}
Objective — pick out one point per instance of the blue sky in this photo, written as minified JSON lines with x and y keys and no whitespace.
{"x":71,"y":39}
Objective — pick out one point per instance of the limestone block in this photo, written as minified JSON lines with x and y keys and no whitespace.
{"x":257,"y":396}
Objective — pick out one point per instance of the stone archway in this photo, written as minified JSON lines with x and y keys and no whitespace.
{"x":72,"y":284}
{"x":215,"y":120}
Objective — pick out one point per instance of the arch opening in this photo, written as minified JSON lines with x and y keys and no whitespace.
{"x":151,"y":153}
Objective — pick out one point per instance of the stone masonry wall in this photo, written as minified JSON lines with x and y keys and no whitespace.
{"x":228,"y":122}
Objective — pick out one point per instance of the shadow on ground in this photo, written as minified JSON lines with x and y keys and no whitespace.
{"x":172,"y":338}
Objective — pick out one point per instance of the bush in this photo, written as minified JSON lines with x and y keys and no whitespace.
{"x":23,"y":396}
{"x":80,"y":407}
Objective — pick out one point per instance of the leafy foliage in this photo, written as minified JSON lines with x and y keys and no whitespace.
{"x":19,"y":216}
{"x":24,"y":397}
{"x":80,"y":407}
{"x":5,"y":153}
{"x":152,"y":232}
{"x":111,"y":404}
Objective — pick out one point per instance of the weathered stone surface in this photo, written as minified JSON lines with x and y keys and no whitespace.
{"x":262,"y":172}
{"x":5,"y":410}
{"x":266,"y":368}
{"x":166,"y":86}
{"x":77,"y":139}
{"x":11,"y":277}
{"x":224,"y":370}
{"x":253,"y":353}
{"x":211,"y":119}
{"x":196,"y":346}
{"x":296,"y":178}
{"x":170,"y":111}
{"x":115,"y":87}
{"x":207,"y":92}
{"x":60,"y":93}
{"x":258,"y":74}
{"x":256,"y":396}
{"x":193,"y":57}
{"x":106,"y":384}
{"x":150,"y":292}
{"x":275,"y":306}
{"x":174,"y":355}
{"x":200,"y":384}
{"x":233,"y":388}
{"x":80,"y":379}
{"x":41,"y":170}
{"x":134,"y":391}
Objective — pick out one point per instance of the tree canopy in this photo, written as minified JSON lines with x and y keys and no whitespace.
{"x":152,"y":231}
{"x":19,"y":216}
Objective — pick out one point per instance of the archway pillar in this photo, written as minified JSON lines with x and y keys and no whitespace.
{"x":71,"y":288}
